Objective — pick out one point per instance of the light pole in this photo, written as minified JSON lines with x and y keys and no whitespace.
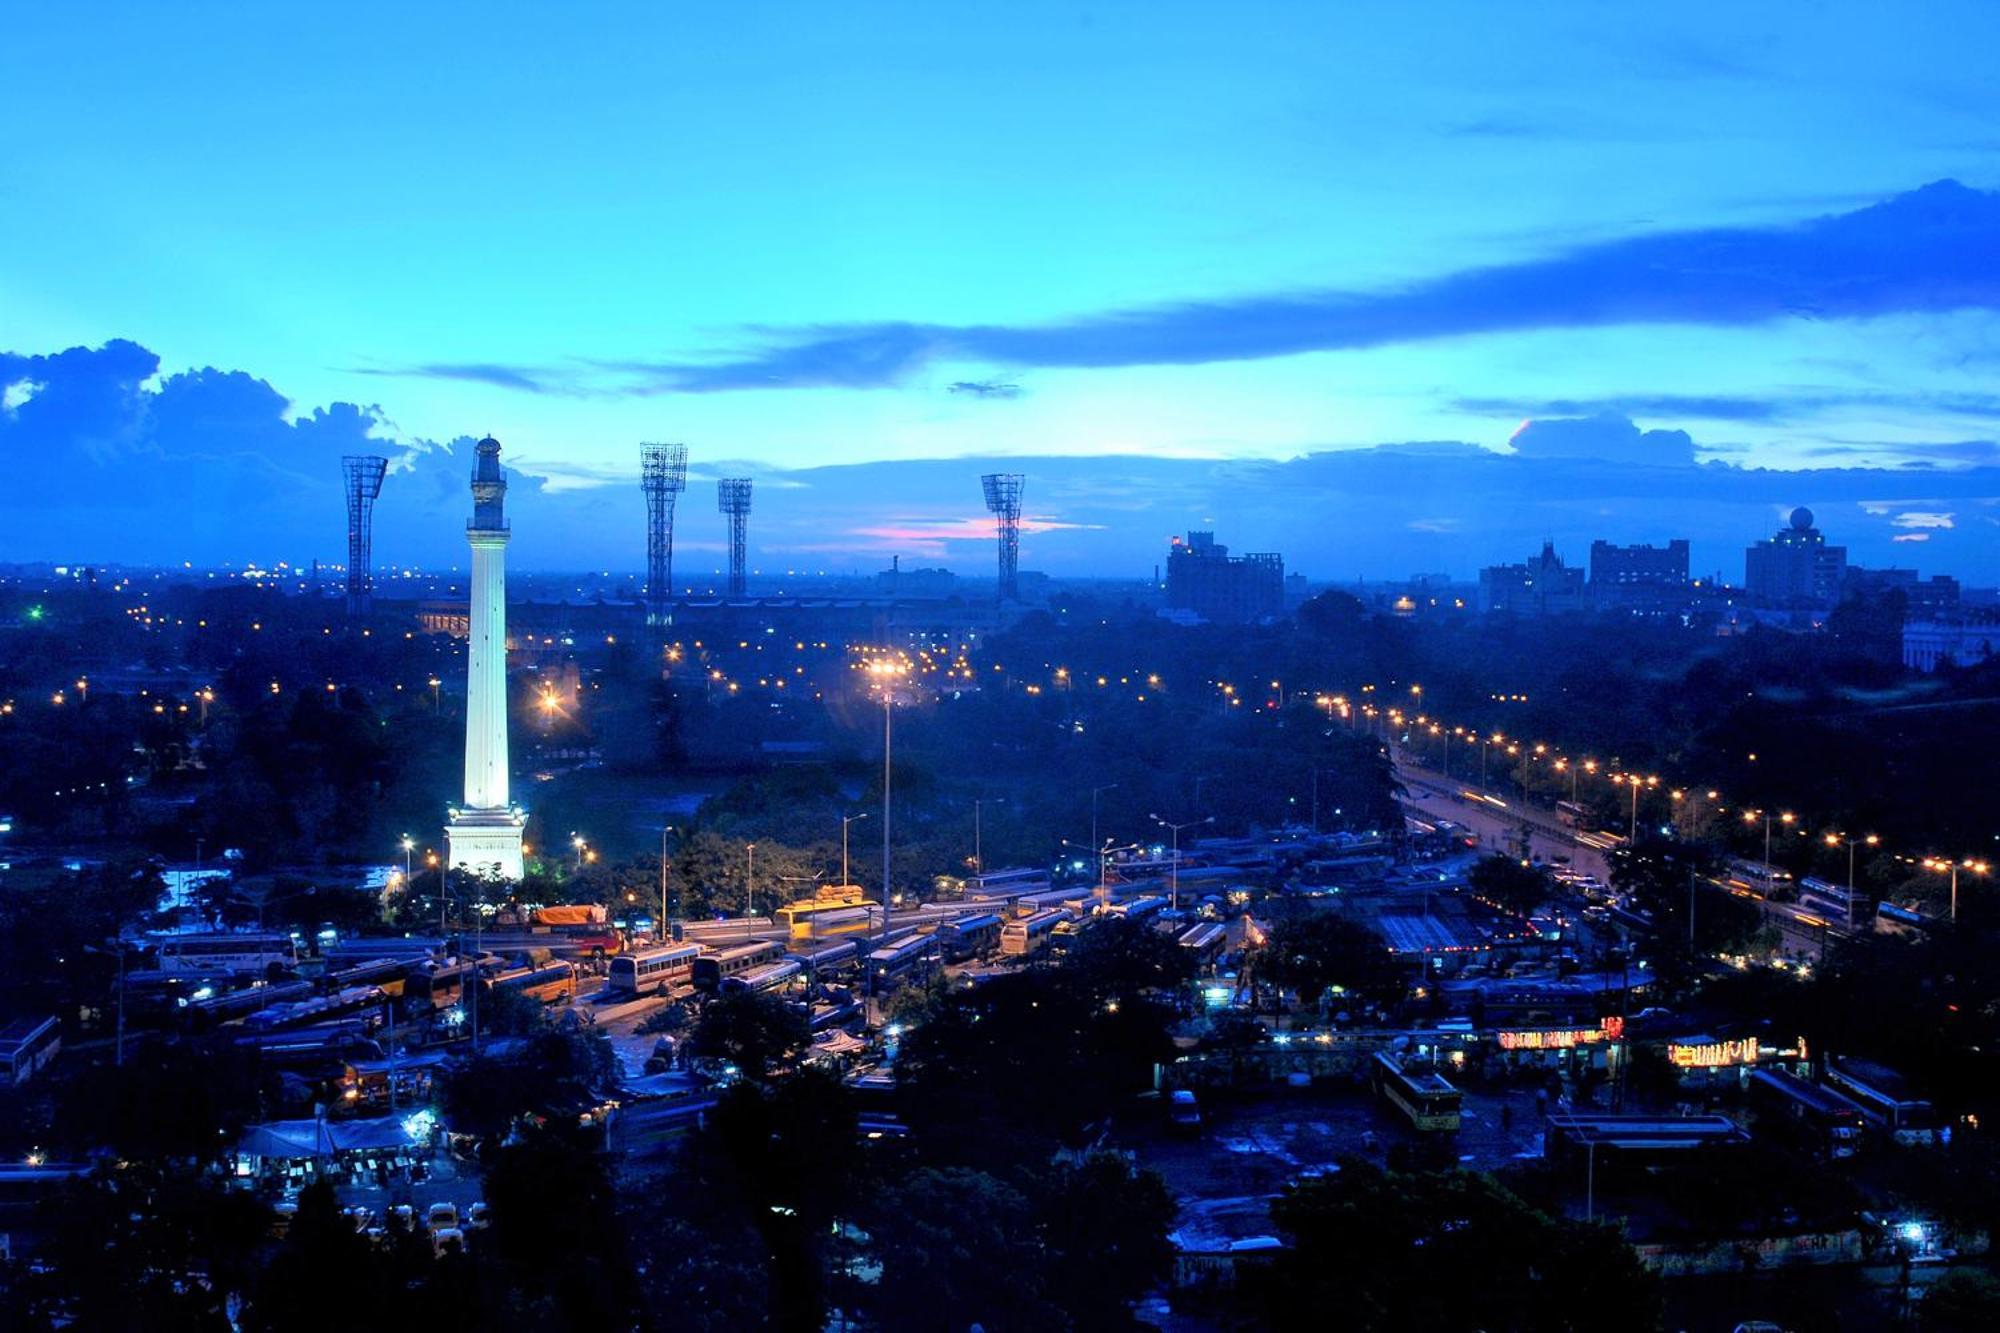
{"x":409,"y":845}
{"x":1942,"y":865}
{"x":749,"y":877}
{"x":1750,"y":816}
{"x":663,"y":931}
{"x":1835,"y":840}
{"x":1095,"y":792}
{"x":845,"y":820}
{"x":1174,"y":874}
{"x":884,"y":672}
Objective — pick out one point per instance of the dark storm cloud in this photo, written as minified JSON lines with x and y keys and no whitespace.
{"x":1928,"y":250}
{"x":200,"y":464}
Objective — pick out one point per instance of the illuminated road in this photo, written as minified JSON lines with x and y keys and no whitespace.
{"x":1500,"y":826}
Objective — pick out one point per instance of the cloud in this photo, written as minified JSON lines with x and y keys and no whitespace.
{"x":1703,"y":406}
{"x":1924,"y":251}
{"x":1911,"y":537}
{"x":985,"y":388}
{"x":524,"y":378}
{"x":1779,"y":406}
{"x":1605,"y":436}
{"x":127,"y":464}
{"x":1919,"y":518}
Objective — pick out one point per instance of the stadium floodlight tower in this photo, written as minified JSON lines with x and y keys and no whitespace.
{"x":663,"y":472}
{"x":1003,"y":499}
{"x":732,"y":497}
{"x":364,"y":475}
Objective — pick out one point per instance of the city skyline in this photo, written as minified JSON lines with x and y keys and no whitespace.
{"x":740,"y":241}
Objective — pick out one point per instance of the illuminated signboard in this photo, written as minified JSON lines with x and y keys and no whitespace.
{"x":1711,"y":1054}
{"x":1561,"y":1039}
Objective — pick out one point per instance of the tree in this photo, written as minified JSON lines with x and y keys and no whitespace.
{"x":1964,"y":1300}
{"x":1507,"y":883}
{"x":957,"y":1248}
{"x":1104,"y":1228}
{"x":1312,"y":951}
{"x":1374,"y":1244}
{"x":1119,"y":958}
{"x":754,"y":1032}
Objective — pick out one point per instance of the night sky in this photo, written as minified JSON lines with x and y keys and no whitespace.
{"x":1389,"y":288}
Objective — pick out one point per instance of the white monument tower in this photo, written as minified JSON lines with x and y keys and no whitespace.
{"x":484,"y":835}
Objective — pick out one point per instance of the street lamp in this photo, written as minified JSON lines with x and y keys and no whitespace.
{"x":884,"y":672}
{"x":749,"y":877}
{"x":1095,"y":792}
{"x":1751,"y":816}
{"x":1835,"y":840}
{"x":663,"y":931}
{"x":1174,"y":875}
{"x":1953,"y":867}
{"x":409,"y":845}
{"x":845,"y":820}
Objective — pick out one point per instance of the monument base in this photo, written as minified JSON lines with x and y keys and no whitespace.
{"x":485,"y":842}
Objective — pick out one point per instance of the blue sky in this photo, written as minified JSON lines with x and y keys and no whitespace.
{"x":804,"y":238}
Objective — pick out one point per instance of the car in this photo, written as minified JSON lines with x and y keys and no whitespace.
{"x":442,"y":1217}
{"x":360,"y":1216}
{"x":450,"y":1240}
{"x":1183,"y":1111}
{"x":403,"y":1217}
{"x":477,"y":1217}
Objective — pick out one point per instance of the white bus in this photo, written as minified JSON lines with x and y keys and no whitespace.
{"x":654,"y":971}
{"x":757,"y":980}
{"x":1030,"y":935}
{"x":711,"y":968}
{"x":226,"y":953}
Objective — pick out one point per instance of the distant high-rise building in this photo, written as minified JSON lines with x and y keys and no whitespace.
{"x":1795,"y":566}
{"x":1205,"y":580}
{"x":1638,"y":578}
{"x":1538,"y":587}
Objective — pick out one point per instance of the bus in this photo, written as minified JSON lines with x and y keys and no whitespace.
{"x":438,"y":984}
{"x":1140,"y":909}
{"x":891,"y":965}
{"x":758,"y":980}
{"x":828,"y":958}
{"x":1834,"y":1123}
{"x":1761,"y":879}
{"x":1030,"y":935}
{"x":387,"y":973}
{"x":827,"y":922}
{"x":1204,"y":942}
{"x":27,"y":1044}
{"x":212,"y":1011}
{"x":1895,"y":919}
{"x":969,"y":937}
{"x":711,"y":968}
{"x":366,"y":1004}
{"x":1429,"y":1103}
{"x":653,"y":971}
{"x":830,"y":898}
{"x":254,"y":953}
{"x":993,"y":883}
{"x":1827,"y":899}
{"x":551,"y":983}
